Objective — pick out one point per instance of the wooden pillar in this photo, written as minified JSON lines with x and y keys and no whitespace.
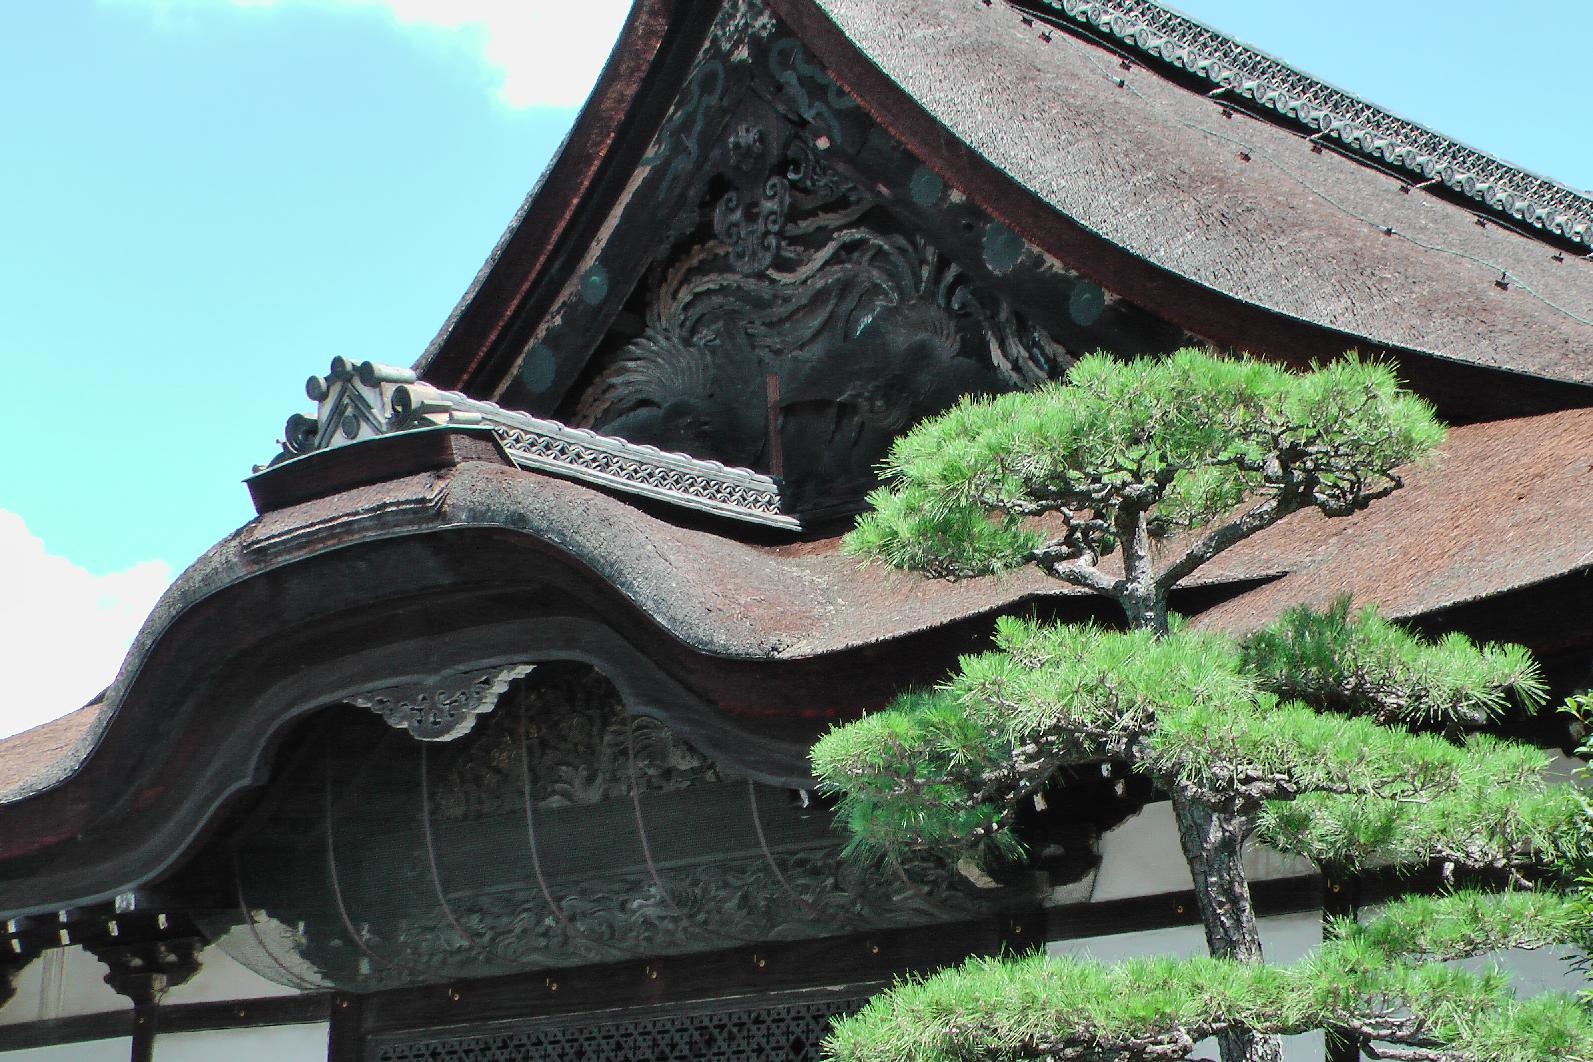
{"x":145,"y":1019}
{"x":143,"y":972}
{"x":1341,"y":897}
{"x":345,"y":1037}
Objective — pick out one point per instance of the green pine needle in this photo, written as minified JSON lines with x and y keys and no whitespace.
{"x":1202,"y":432}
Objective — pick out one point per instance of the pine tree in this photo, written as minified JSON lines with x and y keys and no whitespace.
{"x":1332,"y":734}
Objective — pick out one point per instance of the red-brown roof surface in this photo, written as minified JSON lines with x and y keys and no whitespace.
{"x":1156,"y":169}
{"x":49,"y":748}
{"x":1507,"y":505}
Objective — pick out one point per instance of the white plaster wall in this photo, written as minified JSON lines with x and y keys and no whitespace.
{"x":65,"y":982}
{"x":1543,"y":970}
{"x":61,"y":983}
{"x":282,"y":1043}
{"x":1284,"y":939}
{"x":1142,"y":857}
{"x":221,"y":978}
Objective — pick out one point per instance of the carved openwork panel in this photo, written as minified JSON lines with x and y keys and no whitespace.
{"x":810,"y":289}
{"x":561,"y":830}
{"x":797,"y":330}
{"x":779,"y":1030}
{"x":444,"y":708}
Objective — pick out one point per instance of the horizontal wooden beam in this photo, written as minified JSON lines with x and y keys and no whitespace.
{"x":176,"y":1018}
{"x":855,"y":959}
{"x":858,"y":960}
{"x":1167,"y":910}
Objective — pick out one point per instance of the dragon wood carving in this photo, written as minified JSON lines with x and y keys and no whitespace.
{"x":584,"y":748}
{"x":804,"y":334}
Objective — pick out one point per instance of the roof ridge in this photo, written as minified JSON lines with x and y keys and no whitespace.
{"x":1174,"y":39}
{"x":358,"y":401}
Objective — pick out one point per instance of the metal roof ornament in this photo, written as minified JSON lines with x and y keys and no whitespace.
{"x":364,"y":401}
{"x":443,"y":708}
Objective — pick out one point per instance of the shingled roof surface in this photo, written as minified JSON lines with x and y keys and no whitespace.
{"x":49,"y":750}
{"x":1507,"y":505}
{"x":1234,"y":203}
{"x":1503,"y":507}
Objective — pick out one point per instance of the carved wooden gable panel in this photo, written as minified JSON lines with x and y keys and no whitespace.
{"x":785,"y":288}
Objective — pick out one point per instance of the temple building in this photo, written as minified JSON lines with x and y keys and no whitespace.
{"x":487,"y":738}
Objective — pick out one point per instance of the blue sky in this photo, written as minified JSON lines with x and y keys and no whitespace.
{"x":202,"y":201}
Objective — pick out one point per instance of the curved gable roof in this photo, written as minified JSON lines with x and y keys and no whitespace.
{"x":747,"y":647}
{"x":1241,"y":207}
{"x":1117,"y":142}
{"x":1234,"y":70}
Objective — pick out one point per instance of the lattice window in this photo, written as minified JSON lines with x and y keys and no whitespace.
{"x":784,"y":1031}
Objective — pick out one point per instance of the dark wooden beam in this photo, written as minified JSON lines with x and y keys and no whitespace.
{"x":1168,"y":910}
{"x":853,"y":959}
{"x":178,"y":1018}
{"x":856,"y":959}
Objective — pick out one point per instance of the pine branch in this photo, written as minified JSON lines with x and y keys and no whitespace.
{"x":952,"y":765}
{"x":1061,"y":1008}
{"x":1463,"y":924}
{"x":1238,"y":755}
{"x":1258,"y":517}
{"x":1360,"y":663}
{"x":1518,"y":826}
{"x":1180,"y":441}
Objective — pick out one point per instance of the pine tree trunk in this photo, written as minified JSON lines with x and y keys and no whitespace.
{"x":1146,"y":608}
{"x":1144,"y":603}
{"x":1213,"y":844}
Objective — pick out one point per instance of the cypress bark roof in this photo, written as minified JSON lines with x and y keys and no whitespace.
{"x":1174,"y":166}
{"x":1242,"y":206}
{"x":1236,"y":71}
{"x":1501,"y":509}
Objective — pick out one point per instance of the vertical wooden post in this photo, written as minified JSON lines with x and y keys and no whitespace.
{"x":143,"y":972}
{"x":345,"y":1038}
{"x":771,"y":390}
{"x":145,"y":1022}
{"x":1341,"y":897}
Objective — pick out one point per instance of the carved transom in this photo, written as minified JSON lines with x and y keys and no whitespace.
{"x":562,"y":830}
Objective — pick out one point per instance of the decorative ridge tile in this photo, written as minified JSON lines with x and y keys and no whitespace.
{"x":1175,"y":40}
{"x":359,"y":401}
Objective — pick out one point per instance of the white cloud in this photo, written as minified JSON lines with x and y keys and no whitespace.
{"x":63,"y":629}
{"x":540,"y":53}
{"x":548,"y":53}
